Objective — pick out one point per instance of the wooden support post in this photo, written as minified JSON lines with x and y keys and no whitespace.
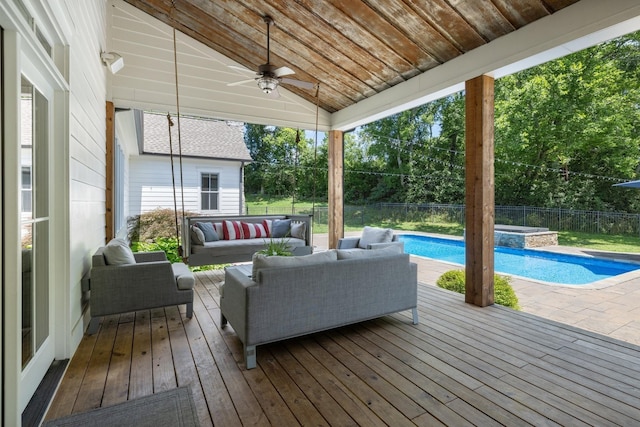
{"x":336,"y":188}
{"x":109,"y":164}
{"x":479,"y":197}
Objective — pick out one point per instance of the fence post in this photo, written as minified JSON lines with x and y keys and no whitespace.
{"x":524,"y":216}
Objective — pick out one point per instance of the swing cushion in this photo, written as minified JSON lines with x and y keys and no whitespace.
{"x":197,"y":236}
{"x":208,"y":231}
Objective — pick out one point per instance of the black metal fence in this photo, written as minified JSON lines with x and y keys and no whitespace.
{"x":557,"y":219}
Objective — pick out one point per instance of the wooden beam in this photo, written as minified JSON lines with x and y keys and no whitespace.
{"x":109,"y":164}
{"x":479,"y":197}
{"x":336,"y":188}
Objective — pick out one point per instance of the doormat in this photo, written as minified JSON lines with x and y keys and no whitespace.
{"x":170,"y":408}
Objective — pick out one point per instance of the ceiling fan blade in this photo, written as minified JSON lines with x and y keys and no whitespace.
{"x":274,"y":94}
{"x":241,"y":82}
{"x":298,"y":83}
{"x":283,"y":71}
{"x":241,"y":69}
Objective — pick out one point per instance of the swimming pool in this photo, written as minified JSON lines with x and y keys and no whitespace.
{"x":539,"y":265}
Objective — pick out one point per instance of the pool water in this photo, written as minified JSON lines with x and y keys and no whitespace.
{"x":539,"y":265}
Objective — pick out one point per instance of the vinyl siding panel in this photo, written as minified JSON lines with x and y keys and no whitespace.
{"x":150,"y":184}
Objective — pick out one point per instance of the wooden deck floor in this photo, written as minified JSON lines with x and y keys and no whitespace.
{"x":462,"y":365}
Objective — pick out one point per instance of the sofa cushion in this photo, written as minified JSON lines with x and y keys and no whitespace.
{"x":280,"y":227}
{"x":375,"y":235}
{"x":261,"y":261}
{"x":253,"y":231}
{"x":118,"y":252}
{"x":232,"y":230}
{"x":210,"y":234}
{"x":197,"y":236}
{"x":298,"y":230}
{"x":358,"y":253}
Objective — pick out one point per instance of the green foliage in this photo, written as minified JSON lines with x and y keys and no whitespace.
{"x":167,"y":244}
{"x":454,"y":280}
{"x":276,"y":247}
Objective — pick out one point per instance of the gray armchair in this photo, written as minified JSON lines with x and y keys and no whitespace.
{"x":149,"y":283}
{"x":372,"y":238}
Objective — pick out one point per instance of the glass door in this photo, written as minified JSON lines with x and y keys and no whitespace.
{"x":34,"y":212}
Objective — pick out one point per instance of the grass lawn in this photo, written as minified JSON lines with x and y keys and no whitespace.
{"x":617,"y":243}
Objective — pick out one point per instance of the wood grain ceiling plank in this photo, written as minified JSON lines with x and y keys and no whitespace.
{"x":415,"y":28}
{"x":248,"y":25}
{"x":359,"y":34}
{"x":521,"y":12}
{"x":484,"y":17}
{"x":367,"y":24}
{"x":289,"y":50}
{"x":299,"y":22}
{"x":447,"y":21}
{"x":219,"y":36}
{"x":556,"y":5}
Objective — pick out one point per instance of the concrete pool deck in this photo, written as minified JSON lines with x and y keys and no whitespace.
{"x":612,"y":308}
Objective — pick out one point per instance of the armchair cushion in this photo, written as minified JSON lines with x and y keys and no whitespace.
{"x":118,"y":252}
{"x":184,"y":277}
{"x":372,"y":235}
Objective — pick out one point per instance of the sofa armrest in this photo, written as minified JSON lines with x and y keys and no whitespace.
{"x":143,"y":257}
{"x":348,"y":242}
{"x":233,"y":299}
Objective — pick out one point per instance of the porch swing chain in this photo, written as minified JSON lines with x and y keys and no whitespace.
{"x":175,"y":63}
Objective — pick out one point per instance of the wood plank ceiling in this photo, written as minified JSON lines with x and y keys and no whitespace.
{"x":355,"y":48}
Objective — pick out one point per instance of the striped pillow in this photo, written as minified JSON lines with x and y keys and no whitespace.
{"x":266,"y":223}
{"x":253,"y":231}
{"x":232,"y":230}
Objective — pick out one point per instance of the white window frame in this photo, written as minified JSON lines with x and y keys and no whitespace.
{"x":202,"y":191}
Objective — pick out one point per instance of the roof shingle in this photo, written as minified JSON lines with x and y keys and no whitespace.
{"x":199,"y":137}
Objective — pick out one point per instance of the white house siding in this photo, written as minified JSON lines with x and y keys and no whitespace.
{"x":150,"y":184}
{"x":87,"y":124}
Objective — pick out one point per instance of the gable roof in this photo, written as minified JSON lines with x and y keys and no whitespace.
{"x":199,"y":137}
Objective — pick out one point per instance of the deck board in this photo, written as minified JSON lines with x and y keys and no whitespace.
{"x":462,"y":365}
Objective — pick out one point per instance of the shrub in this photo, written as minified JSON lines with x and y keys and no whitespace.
{"x":167,"y":244}
{"x":503,"y":293}
{"x":155,"y":224}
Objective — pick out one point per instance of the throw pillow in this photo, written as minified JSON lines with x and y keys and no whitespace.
{"x":298,"y":230}
{"x":261,"y":261}
{"x":118,"y":252}
{"x":210,"y":235}
{"x":267,"y":223}
{"x":374,"y":235}
{"x":356,"y":253}
{"x":280,"y":227}
{"x":253,"y":231}
{"x":232,"y":230}
{"x":197,"y":235}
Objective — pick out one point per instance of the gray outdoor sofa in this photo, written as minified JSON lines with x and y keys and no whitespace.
{"x":223,"y":251}
{"x":316,"y":292}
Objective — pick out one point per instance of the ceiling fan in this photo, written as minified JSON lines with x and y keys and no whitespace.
{"x":268,"y":76}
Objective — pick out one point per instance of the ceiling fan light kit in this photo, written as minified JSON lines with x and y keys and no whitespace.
{"x":268,"y":76}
